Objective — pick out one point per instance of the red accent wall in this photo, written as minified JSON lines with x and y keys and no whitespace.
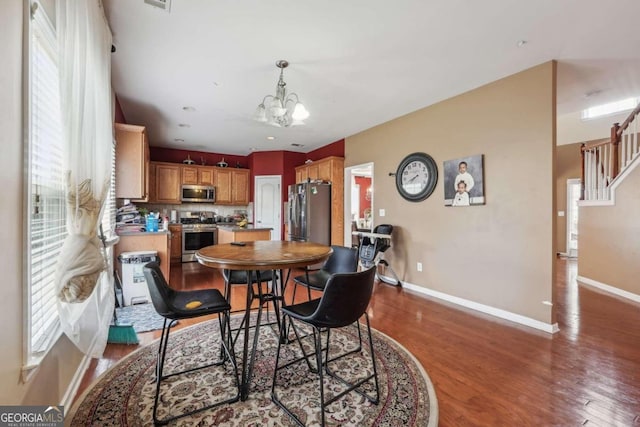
{"x":333,"y":149}
{"x":276,"y":163}
{"x":267,"y":162}
{"x":159,"y":154}
{"x":364,"y":182}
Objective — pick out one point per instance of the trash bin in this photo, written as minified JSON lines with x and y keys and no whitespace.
{"x":134,"y":285}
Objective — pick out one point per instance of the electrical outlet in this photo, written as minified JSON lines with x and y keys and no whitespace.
{"x":381,"y":212}
{"x":419,"y":266}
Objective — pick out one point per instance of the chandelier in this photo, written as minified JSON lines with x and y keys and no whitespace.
{"x":284,"y":109}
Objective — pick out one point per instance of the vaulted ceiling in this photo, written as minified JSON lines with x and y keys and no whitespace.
{"x":355,"y":64}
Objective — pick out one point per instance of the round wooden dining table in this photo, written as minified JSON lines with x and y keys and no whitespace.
{"x":255,"y":256}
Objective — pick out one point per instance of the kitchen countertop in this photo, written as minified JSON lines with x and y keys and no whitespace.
{"x":249,"y":227}
{"x":141,"y":233}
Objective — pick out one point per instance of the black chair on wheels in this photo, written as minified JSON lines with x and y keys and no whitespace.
{"x":344,"y":301}
{"x":341,"y":260}
{"x":174,"y":305}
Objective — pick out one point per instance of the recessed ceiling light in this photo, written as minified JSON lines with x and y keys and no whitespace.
{"x":521,"y":43}
{"x":189,"y":109}
{"x":297,"y":145}
{"x":271,"y":138}
{"x":253,"y":149}
{"x":184,"y":125}
{"x":179,"y":140}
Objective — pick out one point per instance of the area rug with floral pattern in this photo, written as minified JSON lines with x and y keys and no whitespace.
{"x":124,"y":395}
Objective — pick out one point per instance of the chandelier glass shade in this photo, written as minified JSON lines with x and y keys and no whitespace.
{"x":284,"y":109}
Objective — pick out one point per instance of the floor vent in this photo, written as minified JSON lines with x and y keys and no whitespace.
{"x":160,"y":4}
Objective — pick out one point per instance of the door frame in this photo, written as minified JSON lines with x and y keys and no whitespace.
{"x":348,"y":181}
{"x":570,"y":182}
{"x":276,"y":233}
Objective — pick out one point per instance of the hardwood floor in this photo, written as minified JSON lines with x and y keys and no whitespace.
{"x":489,"y":372}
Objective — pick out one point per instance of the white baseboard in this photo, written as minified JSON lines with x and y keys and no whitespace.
{"x":502,"y":314}
{"x":72,"y":389}
{"x":608,"y":288}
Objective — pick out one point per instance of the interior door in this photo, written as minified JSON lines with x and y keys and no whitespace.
{"x":268,"y":202}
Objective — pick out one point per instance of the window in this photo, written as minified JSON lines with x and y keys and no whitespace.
{"x":45,"y":197}
{"x":610,"y":108}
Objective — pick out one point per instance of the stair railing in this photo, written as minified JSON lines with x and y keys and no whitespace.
{"x":603,"y":161}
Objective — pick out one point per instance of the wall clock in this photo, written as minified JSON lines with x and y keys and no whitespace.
{"x":416,"y":177}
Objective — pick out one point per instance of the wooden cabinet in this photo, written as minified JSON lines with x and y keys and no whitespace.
{"x":132,"y":162}
{"x":329,"y":169}
{"x":152,"y":183}
{"x":167,"y":183}
{"x":200,"y":175}
{"x":145,"y":242}
{"x":175,"y":236}
{"x":222,"y":178}
{"x":240,"y":186}
{"x":232,"y":186}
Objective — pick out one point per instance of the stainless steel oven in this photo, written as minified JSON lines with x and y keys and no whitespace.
{"x":197,"y":236}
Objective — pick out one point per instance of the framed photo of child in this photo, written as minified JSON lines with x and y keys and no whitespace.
{"x":464,"y":181}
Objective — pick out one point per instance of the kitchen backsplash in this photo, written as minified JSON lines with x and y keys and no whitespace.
{"x":223,"y":210}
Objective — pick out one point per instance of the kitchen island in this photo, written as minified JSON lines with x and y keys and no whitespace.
{"x":248,"y":233}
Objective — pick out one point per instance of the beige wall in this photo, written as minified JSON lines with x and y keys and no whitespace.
{"x":567,"y":167}
{"x":52,"y":379}
{"x":608,"y":245}
{"x":500,"y":254}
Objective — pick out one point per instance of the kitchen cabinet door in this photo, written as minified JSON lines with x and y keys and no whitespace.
{"x":167,"y":183}
{"x":132,"y":162}
{"x":223,"y":186}
{"x":240,"y":187}
{"x":176,"y":242}
{"x":189,"y":175}
{"x":152,"y":183}
{"x":199,"y":175}
{"x":205,"y":175}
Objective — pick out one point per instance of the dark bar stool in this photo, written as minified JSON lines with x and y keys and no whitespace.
{"x":345,"y":299}
{"x":174,"y":305}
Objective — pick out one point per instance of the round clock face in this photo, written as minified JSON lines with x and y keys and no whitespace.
{"x":416,"y":177}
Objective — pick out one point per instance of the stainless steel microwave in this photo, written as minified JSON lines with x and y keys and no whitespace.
{"x":198,"y":193}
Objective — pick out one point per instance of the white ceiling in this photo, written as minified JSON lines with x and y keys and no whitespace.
{"x":355,"y":64}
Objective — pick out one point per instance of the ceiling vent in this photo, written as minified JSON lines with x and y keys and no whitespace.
{"x":160,"y":4}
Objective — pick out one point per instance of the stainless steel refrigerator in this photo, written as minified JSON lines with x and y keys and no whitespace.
{"x":310,"y":213}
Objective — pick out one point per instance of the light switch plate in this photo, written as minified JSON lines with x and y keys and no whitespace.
{"x":381,"y":212}
{"x":560,"y":213}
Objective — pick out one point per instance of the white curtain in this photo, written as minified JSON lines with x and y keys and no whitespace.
{"x":83,"y":280}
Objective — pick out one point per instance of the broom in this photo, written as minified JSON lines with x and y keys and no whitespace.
{"x":119,"y":333}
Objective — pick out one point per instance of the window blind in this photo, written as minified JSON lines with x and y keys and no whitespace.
{"x":46,"y":198}
{"x":108,"y":220}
